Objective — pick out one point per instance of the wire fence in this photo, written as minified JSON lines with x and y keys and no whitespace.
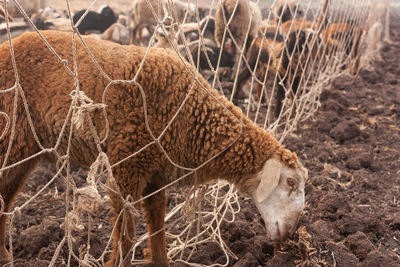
{"x":289,"y":64}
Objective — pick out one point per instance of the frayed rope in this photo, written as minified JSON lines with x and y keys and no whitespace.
{"x":84,"y":105}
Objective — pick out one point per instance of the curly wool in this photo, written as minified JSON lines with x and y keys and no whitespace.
{"x":206,"y":125}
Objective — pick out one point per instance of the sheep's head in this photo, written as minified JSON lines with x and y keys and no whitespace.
{"x":288,"y":10}
{"x":279,"y":197}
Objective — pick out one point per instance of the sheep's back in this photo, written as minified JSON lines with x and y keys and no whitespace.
{"x":164,"y":78}
{"x":239,"y":23}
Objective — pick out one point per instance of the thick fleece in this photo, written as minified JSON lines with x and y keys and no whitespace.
{"x":202,"y":129}
{"x":240,"y":18}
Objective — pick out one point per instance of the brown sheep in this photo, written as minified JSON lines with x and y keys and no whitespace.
{"x":284,"y":13}
{"x":347,"y":37}
{"x":280,"y":59}
{"x":294,"y":25}
{"x":267,"y":26}
{"x":238,"y":14}
{"x":291,"y":25}
{"x":208,"y":125}
{"x":287,"y":10}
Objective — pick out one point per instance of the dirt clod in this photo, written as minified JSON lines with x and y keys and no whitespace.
{"x":343,"y":258}
{"x":359,"y":244}
{"x":377,"y":258}
{"x":248,"y":260}
{"x":344,"y":130}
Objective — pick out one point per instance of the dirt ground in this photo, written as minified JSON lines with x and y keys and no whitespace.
{"x":352,"y":217}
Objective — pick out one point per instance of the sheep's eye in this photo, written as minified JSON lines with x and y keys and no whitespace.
{"x":291,"y":182}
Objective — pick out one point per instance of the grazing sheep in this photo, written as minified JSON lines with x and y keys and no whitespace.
{"x":207,"y":29}
{"x":210,"y":52}
{"x":117,"y":33}
{"x":238,"y":14}
{"x":303,"y":24}
{"x":279,"y":59}
{"x":287,"y":10}
{"x":207,"y":125}
{"x":191,"y":32}
{"x":94,"y":21}
{"x":294,"y":25}
{"x":144,"y":17}
{"x":267,"y":26}
{"x":268,"y":52}
{"x":347,"y":36}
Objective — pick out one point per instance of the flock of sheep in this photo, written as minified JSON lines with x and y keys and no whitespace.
{"x":277,"y":47}
{"x":183,"y":129}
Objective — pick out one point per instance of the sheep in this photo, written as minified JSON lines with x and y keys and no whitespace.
{"x":206,"y":29}
{"x":285,"y":11}
{"x":239,"y":14}
{"x":208,"y":125}
{"x":209,"y":52}
{"x":41,"y":22}
{"x":279,"y":59}
{"x":191,"y":32}
{"x":144,"y":17}
{"x":29,"y":6}
{"x":294,"y":25}
{"x":345,"y":36}
{"x":50,"y":13}
{"x":290,"y":25}
{"x":94,"y":21}
{"x":267,"y":26}
{"x":117,"y":33}
{"x":125,"y":19}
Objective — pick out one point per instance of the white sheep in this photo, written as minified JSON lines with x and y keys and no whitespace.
{"x":208,"y":125}
{"x":117,"y":33}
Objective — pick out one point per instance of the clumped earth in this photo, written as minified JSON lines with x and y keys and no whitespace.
{"x":352,"y":217}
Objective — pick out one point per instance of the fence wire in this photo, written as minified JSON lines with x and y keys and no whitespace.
{"x":339,"y":38}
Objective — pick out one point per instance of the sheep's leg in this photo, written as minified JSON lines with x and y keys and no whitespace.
{"x":11,"y":183}
{"x":259,"y":92}
{"x":293,"y":92}
{"x":124,"y":232}
{"x":279,"y":99}
{"x":154,"y":214}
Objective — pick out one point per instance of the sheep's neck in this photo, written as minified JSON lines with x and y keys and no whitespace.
{"x":246,"y":156}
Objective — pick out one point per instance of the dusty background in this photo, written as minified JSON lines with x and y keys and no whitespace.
{"x":352,"y":150}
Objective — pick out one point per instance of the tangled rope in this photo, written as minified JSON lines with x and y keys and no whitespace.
{"x":205,"y":208}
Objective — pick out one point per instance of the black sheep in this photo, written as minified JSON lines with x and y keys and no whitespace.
{"x":213,"y":54}
{"x":95,"y":21}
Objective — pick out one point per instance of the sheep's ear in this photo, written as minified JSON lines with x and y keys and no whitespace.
{"x":269,"y":179}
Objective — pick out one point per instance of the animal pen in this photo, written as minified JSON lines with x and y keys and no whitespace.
{"x":196,"y":214}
